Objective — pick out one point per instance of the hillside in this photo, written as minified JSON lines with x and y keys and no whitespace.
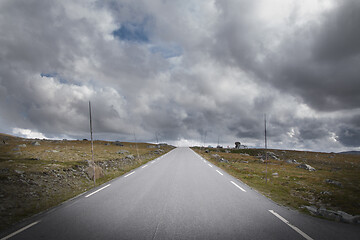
{"x":38,"y":174}
{"x":322,"y":184}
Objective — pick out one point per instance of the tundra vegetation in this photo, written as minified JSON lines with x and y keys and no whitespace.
{"x":298,"y":179}
{"x":36,"y":175}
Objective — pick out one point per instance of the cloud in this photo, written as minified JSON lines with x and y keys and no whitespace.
{"x":183,"y":70}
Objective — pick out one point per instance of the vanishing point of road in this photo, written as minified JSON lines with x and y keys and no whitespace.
{"x":177,"y":196}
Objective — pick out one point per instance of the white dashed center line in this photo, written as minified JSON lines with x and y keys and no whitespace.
{"x":209,"y":165}
{"x":144,"y":166}
{"x":238,"y":186}
{"x":219,"y":172}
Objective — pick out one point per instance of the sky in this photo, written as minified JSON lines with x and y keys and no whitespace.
{"x":183,"y":72}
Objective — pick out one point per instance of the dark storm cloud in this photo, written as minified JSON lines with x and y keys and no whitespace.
{"x":181,"y":70}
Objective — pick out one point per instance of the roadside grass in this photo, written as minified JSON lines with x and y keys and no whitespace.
{"x":292,"y":186}
{"x":36,"y":178}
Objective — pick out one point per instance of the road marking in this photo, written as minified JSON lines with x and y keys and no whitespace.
{"x":238,"y":186}
{"x":144,"y":166}
{"x":219,"y":172}
{"x":292,"y":226}
{"x":153,"y":162}
{"x":204,"y":161}
{"x":20,"y":230}
{"x":209,"y":165}
{"x":97,"y":191}
{"x":129,"y":174}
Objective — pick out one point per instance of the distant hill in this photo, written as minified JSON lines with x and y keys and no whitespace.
{"x":351,"y":152}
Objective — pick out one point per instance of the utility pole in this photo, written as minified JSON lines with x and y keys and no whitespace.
{"x":137,"y":150}
{"x":266,"y":153}
{"x":92,"y":144}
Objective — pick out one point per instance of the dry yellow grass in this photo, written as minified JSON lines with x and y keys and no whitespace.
{"x":295,"y":187}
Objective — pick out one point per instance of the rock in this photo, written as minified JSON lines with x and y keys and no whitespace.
{"x":312,"y":209}
{"x":215,"y":156}
{"x":223,"y":160}
{"x":306,"y":167}
{"x":245,"y":154}
{"x":336,"y":183}
{"x":293,"y":161}
{"x":98,"y":172}
{"x":117,"y":143}
{"x":273,"y":156}
{"x":35,"y":143}
{"x":227,"y":151}
{"x":55,"y":151}
{"x":131,"y":157}
{"x":107,"y":144}
{"x":22,"y":145}
{"x":245,"y":161}
{"x":16,"y":149}
{"x":19,"y":171}
{"x":326,"y":193}
{"x":207,"y":151}
{"x":275,"y":174}
{"x":123,"y":152}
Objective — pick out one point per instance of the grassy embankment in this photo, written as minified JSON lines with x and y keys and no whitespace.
{"x":292,"y":186}
{"x":35,"y":178}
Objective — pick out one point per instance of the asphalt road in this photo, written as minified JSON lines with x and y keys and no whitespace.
{"x":177,"y":196}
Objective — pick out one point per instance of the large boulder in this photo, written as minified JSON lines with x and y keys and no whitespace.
{"x":99,"y":173}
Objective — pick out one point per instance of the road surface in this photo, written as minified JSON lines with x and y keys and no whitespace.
{"x":177,"y":196}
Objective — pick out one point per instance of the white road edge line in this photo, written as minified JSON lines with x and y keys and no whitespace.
{"x":238,"y":186}
{"x":97,"y":190}
{"x":292,"y":226}
{"x":219,"y":172}
{"x":129,"y":174}
{"x":20,"y":230}
{"x":153,"y":162}
{"x":209,"y":165}
{"x":144,"y":166}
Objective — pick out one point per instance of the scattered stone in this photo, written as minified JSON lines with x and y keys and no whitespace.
{"x":207,"y":151}
{"x":223,"y":160}
{"x":123,"y":152}
{"x":107,"y":144}
{"x":227,"y":151}
{"x":273,"y":156}
{"x":245,"y":161}
{"x":215,"y":156}
{"x":306,"y":167}
{"x":19,"y":171}
{"x":275,"y":174}
{"x":326,"y":193}
{"x":117,"y":143}
{"x":22,"y":145}
{"x":16,"y":149}
{"x":292,"y":161}
{"x":336,"y":183}
{"x":131,"y":157}
{"x":36,"y":143}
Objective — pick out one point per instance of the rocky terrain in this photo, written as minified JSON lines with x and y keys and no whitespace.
{"x":38,"y":174}
{"x":322,"y":184}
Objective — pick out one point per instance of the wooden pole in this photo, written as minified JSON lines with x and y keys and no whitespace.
{"x":92,"y":144}
{"x":266,"y":153}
